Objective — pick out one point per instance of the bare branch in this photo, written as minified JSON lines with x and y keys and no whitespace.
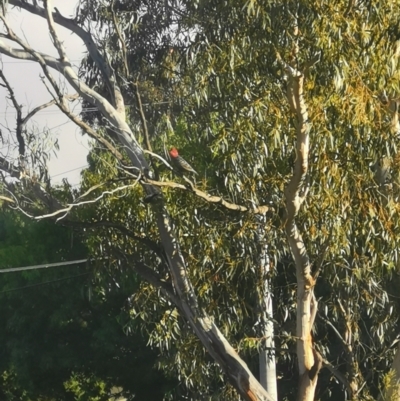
{"x":44,"y":106}
{"x":53,"y":33}
{"x":67,"y":209}
{"x":18,"y":109}
{"x":89,"y":43}
{"x":24,"y":55}
{"x":211,"y":198}
{"x":142,"y":116}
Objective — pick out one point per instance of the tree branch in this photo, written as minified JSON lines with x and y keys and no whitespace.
{"x":87,"y":38}
{"x":18,"y":109}
{"x":115,"y":117}
{"x":67,"y":209}
{"x":336,"y":331}
{"x":295,"y":193}
{"x":24,"y":55}
{"x":211,"y":198}
{"x":121,"y":39}
{"x":45,"y":105}
{"x":338,"y":375}
{"x":7,"y":199}
{"x":142,"y":116}
{"x":153,"y":278}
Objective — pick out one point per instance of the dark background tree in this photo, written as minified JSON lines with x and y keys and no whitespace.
{"x":65,"y":331}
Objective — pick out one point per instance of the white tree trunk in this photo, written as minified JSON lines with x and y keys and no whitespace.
{"x":267,"y":361}
{"x":267,"y":353}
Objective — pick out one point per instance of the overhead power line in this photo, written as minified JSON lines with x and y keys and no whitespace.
{"x":18,"y":269}
{"x":68,"y":171}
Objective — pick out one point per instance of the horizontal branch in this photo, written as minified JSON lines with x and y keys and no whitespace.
{"x":211,"y":198}
{"x":26,"y":56}
{"x":68,"y":208}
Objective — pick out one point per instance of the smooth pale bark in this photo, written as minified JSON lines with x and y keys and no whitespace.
{"x":267,"y":353}
{"x":219,"y":348}
{"x":309,"y":361}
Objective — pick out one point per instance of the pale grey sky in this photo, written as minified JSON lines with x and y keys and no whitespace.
{"x":24,"y":77}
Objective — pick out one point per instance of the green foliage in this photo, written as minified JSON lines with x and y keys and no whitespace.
{"x":390,"y":386}
{"x":214,"y":89}
{"x":62,"y":330}
{"x":211,"y":85}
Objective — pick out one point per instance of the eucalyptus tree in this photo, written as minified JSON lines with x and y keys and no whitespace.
{"x":235,"y":93}
{"x":288,"y":111}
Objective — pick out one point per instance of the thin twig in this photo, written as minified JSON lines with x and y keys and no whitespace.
{"x":336,"y":331}
{"x":18,"y":109}
{"x":158,"y":157}
{"x":45,"y":105}
{"x":337,"y":374}
{"x":123,"y":46}
{"x":53,"y":33}
{"x":142,"y":116}
{"x":67,"y":209}
{"x":212,"y":198}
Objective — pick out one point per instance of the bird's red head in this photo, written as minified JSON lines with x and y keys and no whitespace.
{"x":173,"y":152}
